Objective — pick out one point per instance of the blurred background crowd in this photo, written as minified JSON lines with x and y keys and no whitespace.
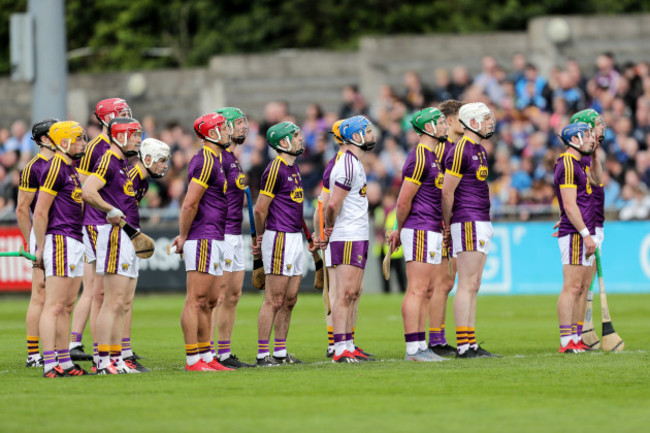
{"x":530,"y":109}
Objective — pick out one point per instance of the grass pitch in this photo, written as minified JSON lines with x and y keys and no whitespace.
{"x":530,"y":389}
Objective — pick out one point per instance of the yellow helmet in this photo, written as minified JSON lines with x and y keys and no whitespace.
{"x":65,"y":133}
{"x":336,"y":131}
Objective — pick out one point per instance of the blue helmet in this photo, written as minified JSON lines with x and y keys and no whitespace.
{"x":579,"y":129}
{"x":356,"y":125}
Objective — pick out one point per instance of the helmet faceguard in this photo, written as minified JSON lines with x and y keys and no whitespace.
{"x":153,"y":151}
{"x":581,"y":130}
{"x":65,"y":134}
{"x":238,"y":123}
{"x":433,"y":117}
{"x":128,"y":127}
{"x":479,"y":112}
{"x":213,"y":121}
{"x":111,"y":108}
{"x":362,"y":127}
{"x":286,"y":137}
{"x":593,"y":119}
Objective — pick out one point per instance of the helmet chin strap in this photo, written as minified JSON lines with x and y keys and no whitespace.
{"x":484,"y":137}
{"x":441,"y":138}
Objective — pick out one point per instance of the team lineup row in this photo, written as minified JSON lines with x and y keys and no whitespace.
{"x":83,"y":197}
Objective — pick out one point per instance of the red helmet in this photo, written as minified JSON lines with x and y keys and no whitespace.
{"x":204,"y":124}
{"x":123,"y":125}
{"x":111,"y":107}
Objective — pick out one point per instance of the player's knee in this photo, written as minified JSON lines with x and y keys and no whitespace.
{"x":290,"y":302}
{"x":232,"y":298}
{"x":276,"y":302}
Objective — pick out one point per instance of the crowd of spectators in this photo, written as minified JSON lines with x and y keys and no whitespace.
{"x":530,"y":109}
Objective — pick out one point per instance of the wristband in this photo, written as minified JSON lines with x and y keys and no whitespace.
{"x":585,"y":232}
{"x":115,"y":212}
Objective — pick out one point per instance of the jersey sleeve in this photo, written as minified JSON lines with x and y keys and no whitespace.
{"x":89,"y":161}
{"x":565,"y":175}
{"x":51,"y":179}
{"x":140,"y":185}
{"x":104,"y":169}
{"x":29,"y":180}
{"x":415,"y":167}
{"x":202,"y":172}
{"x":270,"y":184}
{"x":456,"y":161}
{"x":343,"y":173}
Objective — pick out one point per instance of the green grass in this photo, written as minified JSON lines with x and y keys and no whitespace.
{"x":530,"y":389}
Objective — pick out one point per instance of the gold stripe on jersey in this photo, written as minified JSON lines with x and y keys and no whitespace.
{"x":440,"y":150}
{"x":270,"y":180}
{"x":135,"y":171}
{"x":113,"y":246}
{"x":84,"y":164}
{"x":458,"y":158}
{"x":103,"y":165}
{"x":52,"y":175}
{"x":419,"y":163}
{"x":206,"y":170}
{"x":24,"y":176}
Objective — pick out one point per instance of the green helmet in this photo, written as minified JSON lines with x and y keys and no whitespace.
{"x":281,"y":131}
{"x":591,"y":118}
{"x":230,"y":113}
{"x":428,"y":115}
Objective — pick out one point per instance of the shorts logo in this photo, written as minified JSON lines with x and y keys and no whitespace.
{"x":125,"y":266}
{"x":359,"y":258}
{"x":482,"y":172}
{"x":228,"y":262}
{"x":432,"y":254}
{"x":216,"y":266}
{"x":482,"y":244}
{"x":288,"y":267}
{"x":72,"y":267}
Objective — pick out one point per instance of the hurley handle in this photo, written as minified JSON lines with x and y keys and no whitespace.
{"x":251,"y":217}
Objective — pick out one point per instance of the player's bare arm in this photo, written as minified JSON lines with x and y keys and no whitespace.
{"x":188,"y":213}
{"x":25,"y":199}
{"x":260,"y":214}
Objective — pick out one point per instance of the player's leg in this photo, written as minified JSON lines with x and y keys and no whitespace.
{"x":110,"y":321}
{"x":328,"y":317}
{"x":469,"y":274}
{"x":571,"y":288}
{"x":348,"y":279}
{"x":56,"y":290}
{"x":283,"y":320}
{"x":275,"y":290}
{"x":63,"y":328}
{"x":80,"y":317}
{"x":581,"y":308}
{"x":418,"y":283}
{"x":442,"y":285}
{"x":128,"y":356}
{"x":34,"y":310}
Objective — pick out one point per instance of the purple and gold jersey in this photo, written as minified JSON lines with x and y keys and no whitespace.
{"x":597,"y":197}
{"x":87,"y":165}
{"x":282,"y":182}
{"x":118,"y":188}
{"x":441,"y":151}
{"x":210,"y":220}
{"x":569,"y":173}
{"x":422,"y":168}
{"x":236,"y":181}
{"x":140,"y":186}
{"x":328,"y":171}
{"x":61,"y":180}
{"x":468,"y":161}
{"x":30,"y":177}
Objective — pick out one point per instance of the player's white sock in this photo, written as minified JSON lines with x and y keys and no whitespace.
{"x":73,"y":345}
{"x":412,"y":347}
{"x":463,"y":348}
{"x":565,"y":340}
{"x":349,"y":345}
{"x":127,"y":353}
{"x":280,"y":353}
{"x":339,"y":348}
{"x":193,"y":359}
{"x":575,"y":338}
{"x":207,"y":357}
{"x":423,"y":345}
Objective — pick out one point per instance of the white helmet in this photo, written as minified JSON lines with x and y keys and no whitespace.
{"x":477,"y":111}
{"x":156,"y":150}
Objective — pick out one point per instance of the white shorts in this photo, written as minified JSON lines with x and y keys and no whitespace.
{"x":599,"y":237}
{"x":573,"y":250}
{"x":233,"y":253}
{"x":90,"y":242}
{"x":471,"y":236}
{"x":204,"y":255}
{"x":282,"y":253}
{"x":115,"y":252}
{"x":421,"y":246}
{"x":63,"y":256}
